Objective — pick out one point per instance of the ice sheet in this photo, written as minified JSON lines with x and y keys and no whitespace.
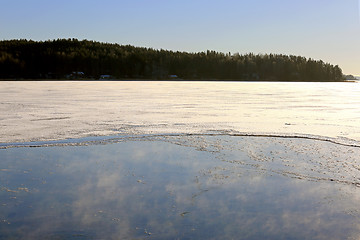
{"x":43,"y":111}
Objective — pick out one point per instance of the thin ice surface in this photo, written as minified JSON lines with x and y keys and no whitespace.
{"x":195,"y":187}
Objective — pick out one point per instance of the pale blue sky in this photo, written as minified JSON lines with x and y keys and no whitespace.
{"x":320,"y":29}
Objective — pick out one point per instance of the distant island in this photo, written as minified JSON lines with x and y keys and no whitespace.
{"x":74,"y":59}
{"x":350,"y":77}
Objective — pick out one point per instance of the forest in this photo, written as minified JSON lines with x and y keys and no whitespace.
{"x":74,"y":59}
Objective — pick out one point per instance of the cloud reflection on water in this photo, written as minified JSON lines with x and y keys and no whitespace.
{"x":185,"y":187}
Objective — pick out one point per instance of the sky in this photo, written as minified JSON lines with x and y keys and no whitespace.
{"x":327,"y":30}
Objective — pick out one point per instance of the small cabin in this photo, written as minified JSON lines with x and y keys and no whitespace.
{"x":106,"y":77}
{"x":76,"y":75}
{"x":173,"y":77}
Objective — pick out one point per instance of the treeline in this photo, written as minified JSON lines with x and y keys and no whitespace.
{"x":65,"y":58}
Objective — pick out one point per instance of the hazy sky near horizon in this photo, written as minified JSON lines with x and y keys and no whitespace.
{"x":318,"y":29}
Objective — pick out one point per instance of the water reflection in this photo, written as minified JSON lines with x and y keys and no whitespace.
{"x":181,"y":188}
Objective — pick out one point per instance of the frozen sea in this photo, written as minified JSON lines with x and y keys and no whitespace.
{"x":179,"y":160}
{"x":42,"y":111}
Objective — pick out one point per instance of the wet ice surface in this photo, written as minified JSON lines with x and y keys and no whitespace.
{"x":181,"y":187}
{"x":42,"y":111}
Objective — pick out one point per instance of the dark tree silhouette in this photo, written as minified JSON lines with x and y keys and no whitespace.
{"x":60,"y":58}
